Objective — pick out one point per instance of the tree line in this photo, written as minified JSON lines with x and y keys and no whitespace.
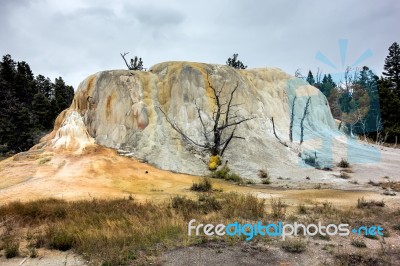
{"x":28,"y":104}
{"x":364,"y":103}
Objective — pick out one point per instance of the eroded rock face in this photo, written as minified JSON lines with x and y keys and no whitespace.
{"x":120,"y":109}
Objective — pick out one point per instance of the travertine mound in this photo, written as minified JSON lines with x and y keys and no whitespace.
{"x":121,"y":109}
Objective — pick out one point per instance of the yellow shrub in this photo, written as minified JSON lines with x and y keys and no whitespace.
{"x":212,"y":166}
{"x":215,"y":159}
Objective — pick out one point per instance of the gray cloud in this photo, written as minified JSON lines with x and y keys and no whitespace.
{"x":77,"y":38}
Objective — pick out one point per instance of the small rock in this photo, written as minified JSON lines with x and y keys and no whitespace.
{"x":389,"y":193}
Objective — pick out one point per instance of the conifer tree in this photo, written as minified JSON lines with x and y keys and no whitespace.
{"x":310,"y":78}
{"x":392,"y":67}
{"x":235,"y":63}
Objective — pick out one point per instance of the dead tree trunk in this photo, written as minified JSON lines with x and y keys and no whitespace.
{"x":291,"y":120}
{"x":303,"y":118}
{"x":276,"y":136}
{"x":224,"y":123}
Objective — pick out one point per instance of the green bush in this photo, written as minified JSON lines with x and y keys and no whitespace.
{"x":301,"y":209}
{"x":234,"y":178}
{"x":204,"y":185}
{"x":33,"y":253}
{"x":265,"y":178}
{"x":263,"y":174}
{"x":358,"y":243}
{"x":60,"y":239}
{"x":222,"y":173}
{"x":225,"y":173}
{"x":311,"y":161}
{"x":343,"y":163}
{"x":11,"y":248}
{"x":295,"y":245}
{"x":278,"y":209}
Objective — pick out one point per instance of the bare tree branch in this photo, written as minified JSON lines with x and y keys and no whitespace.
{"x":291,"y":120}
{"x":302,"y":119}
{"x":228,"y":141}
{"x":202,"y":123}
{"x":177,"y":129}
{"x":235,"y":123}
{"x":230,"y":102}
{"x":126,"y":63}
{"x":276,"y":136}
{"x":298,"y":74}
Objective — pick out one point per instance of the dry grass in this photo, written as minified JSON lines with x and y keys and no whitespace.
{"x":278,"y":209}
{"x":115,"y":232}
{"x":362,"y":203}
{"x":125,"y":232}
{"x":356,"y":259}
{"x":110,"y":231}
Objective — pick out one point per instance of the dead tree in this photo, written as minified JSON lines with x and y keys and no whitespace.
{"x":135,"y":64}
{"x":291,"y":120}
{"x":363,"y":126}
{"x":318,"y":76}
{"x":224,"y":123}
{"x":276,"y":136}
{"x":379,"y":130}
{"x":298,"y":74}
{"x":303,"y":118}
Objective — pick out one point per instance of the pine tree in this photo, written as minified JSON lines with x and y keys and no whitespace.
{"x":24,"y":84}
{"x":310,"y":78}
{"x":235,"y":63}
{"x":135,"y":63}
{"x":25,"y":126}
{"x":326,"y":86}
{"x":7,"y":69}
{"x":63,"y":95}
{"x":45,"y":86}
{"x":392,"y":67}
{"x":389,"y":106}
{"x":41,"y":108}
{"x":28,"y":106}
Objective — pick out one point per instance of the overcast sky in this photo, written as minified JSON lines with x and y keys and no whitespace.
{"x":74,"y":39}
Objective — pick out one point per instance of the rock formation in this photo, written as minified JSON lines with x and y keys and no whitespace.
{"x":121,"y":110}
